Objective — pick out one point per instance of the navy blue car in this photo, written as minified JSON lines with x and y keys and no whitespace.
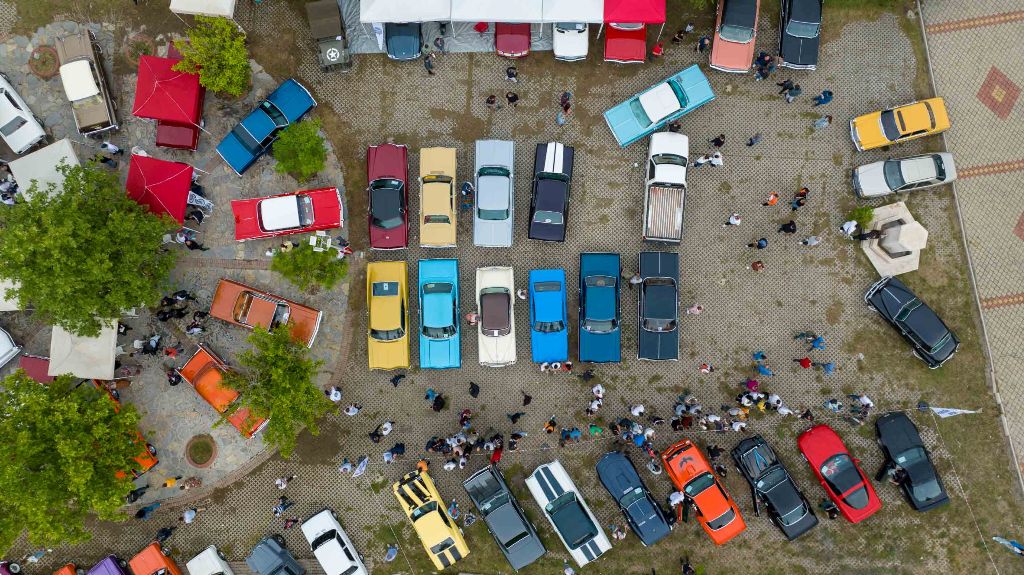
{"x":253,"y":136}
{"x":599,"y":316}
{"x":402,"y":40}
{"x":643,"y":514}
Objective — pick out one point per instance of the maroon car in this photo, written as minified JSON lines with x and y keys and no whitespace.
{"x":512,"y":40}
{"x":387,"y":170}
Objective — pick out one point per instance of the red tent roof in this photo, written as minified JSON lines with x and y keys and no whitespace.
{"x":36,"y":367}
{"x":635,"y":11}
{"x":165,"y":95}
{"x":160,"y":185}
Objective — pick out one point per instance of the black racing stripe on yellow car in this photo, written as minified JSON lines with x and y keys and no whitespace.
{"x":443,"y":558}
{"x":411,"y":495}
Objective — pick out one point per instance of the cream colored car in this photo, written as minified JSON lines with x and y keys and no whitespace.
{"x":437,"y":198}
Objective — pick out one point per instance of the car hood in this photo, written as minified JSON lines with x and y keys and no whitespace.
{"x":868,"y":130}
{"x":403,"y":42}
{"x":386,"y":161}
{"x":800,"y":51}
{"x":623,"y":123}
{"x":870,"y":180}
{"x":732,"y":56}
{"x":388,"y":354}
{"x":545,"y":231}
{"x":658,"y":345}
{"x":439,"y":353}
{"x":573,"y":45}
{"x":389,"y":239}
{"x":897,"y":433}
{"x":549,"y":347}
{"x":292,"y":99}
{"x":497,"y":351}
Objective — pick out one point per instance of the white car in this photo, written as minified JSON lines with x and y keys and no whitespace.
{"x":210,"y":562}
{"x":571,"y":41}
{"x":568,"y":513}
{"x":331,"y":545}
{"x":18,"y":126}
{"x":8,"y":349}
{"x":496,"y":330}
{"x":903,"y":175}
{"x":495,"y":198}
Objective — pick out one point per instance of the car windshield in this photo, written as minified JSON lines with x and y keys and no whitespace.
{"x":940,"y":169}
{"x":841,"y":475}
{"x":548,"y":326}
{"x":276,"y":116}
{"x":910,"y":457}
{"x":794,"y":515}
{"x":327,"y":536}
{"x":674,"y":159}
{"x":387,"y":334}
{"x":438,"y":332}
{"x":926,"y":491}
{"x":802,"y":29}
{"x":546,"y":217}
{"x":739,"y":34}
{"x":893,"y":174}
{"x":697,"y":485}
{"x":722,"y":520}
{"x":436,"y":219}
{"x":639,"y":113}
{"x":246,"y":139}
{"x":422,"y":510}
{"x":386,"y":203}
{"x":570,"y":26}
{"x":889,"y":127}
{"x":632,"y":497}
{"x":571,"y":520}
{"x":12,"y":126}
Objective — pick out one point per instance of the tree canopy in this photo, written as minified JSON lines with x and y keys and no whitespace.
{"x":276,"y":382}
{"x":83,"y":255}
{"x":300,"y":150}
{"x":215,"y":49}
{"x":306,"y":267}
{"x":62,"y":449}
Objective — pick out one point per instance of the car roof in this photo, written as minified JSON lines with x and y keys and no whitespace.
{"x":493,"y":192}
{"x":659,"y":101}
{"x":600,"y":301}
{"x":78,"y":80}
{"x":437,"y":198}
{"x":918,"y":169}
{"x":280,"y":212}
{"x":437,"y":308}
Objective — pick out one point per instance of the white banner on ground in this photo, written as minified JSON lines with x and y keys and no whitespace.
{"x":950,"y":412}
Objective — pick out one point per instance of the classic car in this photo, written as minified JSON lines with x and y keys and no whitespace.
{"x":625,"y":43}
{"x":440,"y":336}
{"x":839,"y":473}
{"x":204,"y":371}
{"x":327,"y":29}
{"x":549,"y":202}
{"x":773,"y":486}
{"x":658,"y":105}
{"x":903,"y":175}
{"x":423,"y":505}
{"x":903,"y":449}
{"x":504,"y":518}
{"x":85,"y":83}
{"x":284,"y":214}
{"x":658,"y":310}
{"x":549,"y":321}
{"x":249,"y":307}
{"x":494,"y":208}
{"x":271,"y":557}
{"x":152,"y":560}
{"x":209,"y":561}
{"x":900,"y":124}
{"x":692,"y":475}
{"x":8,"y":349}
{"x":933,"y":342}
{"x":565,"y":509}
{"x":387,"y":304}
{"x":665,"y":187}
{"x":512,"y":40}
{"x":600,"y":336}
{"x":387,"y":170}
{"x":256,"y":133}
{"x":146,"y":458}
{"x":496,"y":330}
{"x":331,"y":546}
{"x":618,"y":475}
{"x":19,"y":127}
{"x":402,"y":40}
{"x":735,"y":35}
{"x":570,"y":41}
{"x":799,"y":34}
{"x":438,"y":212}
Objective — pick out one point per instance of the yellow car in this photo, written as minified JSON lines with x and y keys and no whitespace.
{"x":437,"y":531}
{"x":437,"y":197}
{"x":899,"y":124}
{"x":387,"y":330}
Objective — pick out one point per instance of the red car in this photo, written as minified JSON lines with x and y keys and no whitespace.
{"x":512,"y":40}
{"x":387,"y":170}
{"x":283,"y":214}
{"x":839,"y":473}
{"x":625,"y":43}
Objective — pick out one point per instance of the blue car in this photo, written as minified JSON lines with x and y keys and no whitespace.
{"x":439,"y":314}
{"x":658,"y":105}
{"x":403,"y":40}
{"x":600,"y":336}
{"x":253,"y":136}
{"x":549,"y":322}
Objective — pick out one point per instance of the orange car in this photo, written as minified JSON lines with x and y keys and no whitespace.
{"x":735,"y":35}
{"x":691,"y":473}
{"x":146,"y":460}
{"x":249,"y":307}
{"x":204,"y":371}
{"x":153,"y":560}
{"x":69,"y":569}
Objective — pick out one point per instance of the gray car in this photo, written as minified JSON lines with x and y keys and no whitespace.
{"x":504,"y":518}
{"x":270,"y":557}
{"x":495,"y":197}
{"x":903,"y":175}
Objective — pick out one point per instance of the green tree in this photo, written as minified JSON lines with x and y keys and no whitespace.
{"x":276,"y":382}
{"x":83,"y":255}
{"x":862,"y":216}
{"x":305,"y":267}
{"x":215,"y":49}
{"x":300,"y":150}
{"x":61,"y":450}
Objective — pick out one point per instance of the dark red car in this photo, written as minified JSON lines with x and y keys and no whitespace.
{"x":839,"y":473}
{"x":387,"y":170}
{"x":283,"y":214}
{"x":512,"y":40}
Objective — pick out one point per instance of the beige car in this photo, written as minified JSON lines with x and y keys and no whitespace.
{"x":85,"y":83}
{"x":437,"y":197}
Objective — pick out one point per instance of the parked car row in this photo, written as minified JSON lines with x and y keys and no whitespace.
{"x":736,"y":34}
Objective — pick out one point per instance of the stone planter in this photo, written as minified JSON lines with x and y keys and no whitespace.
{"x":43,"y":62}
{"x":136,"y":46}
{"x":201,"y":451}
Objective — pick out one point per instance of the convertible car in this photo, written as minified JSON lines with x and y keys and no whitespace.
{"x":284,"y":214}
{"x":600,"y":338}
{"x":253,"y":136}
{"x":549,"y":322}
{"x":658,"y":105}
{"x":439,"y":314}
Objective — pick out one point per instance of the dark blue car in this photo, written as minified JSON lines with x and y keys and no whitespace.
{"x":643,"y":514}
{"x":253,"y":136}
{"x":402,"y":40}
{"x":600,"y":335}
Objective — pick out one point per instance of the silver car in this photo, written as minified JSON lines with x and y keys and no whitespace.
{"x":495,"y":200}
{"x":903,"y":175}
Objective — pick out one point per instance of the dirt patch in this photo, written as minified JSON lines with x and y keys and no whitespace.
{"x":201,"y":451}
{"x":834,"y":313}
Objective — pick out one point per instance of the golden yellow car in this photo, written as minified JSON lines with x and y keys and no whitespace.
{"x":437,"y":531}
{"x":437,"y":197}
{"x":387,"y":329}
{"x":899,"y":124}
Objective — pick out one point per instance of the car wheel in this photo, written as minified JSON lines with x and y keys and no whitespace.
{"x":122,"y":563}
{"x":221,"y":555}
{"x":151,"y":449}
{"x":14,"y":567}
{"x":166,"y":551}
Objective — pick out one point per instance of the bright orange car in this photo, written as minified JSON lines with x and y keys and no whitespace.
{"x":68,"y":569}
{"x":146,"y":459}
{"x":735,"y":35}
{"x":900,"y":124}
{"x":204,"y":371}
{"x":691,"y":474}
{"x":249,"y":307}
{"x":152,"y":560}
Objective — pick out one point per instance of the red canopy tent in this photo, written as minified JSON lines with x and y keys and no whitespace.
{"x":36,"y":367}
{"x":173,"y":99}
{"x":160,"y":185}
{"x":626,"y":37}
{"x":641,"y":11}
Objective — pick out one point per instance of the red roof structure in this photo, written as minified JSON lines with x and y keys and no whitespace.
{"x":160,"y":185}
{"x":173,"y":99}
{"x":635,"y":11}
{"x":36,"y":367}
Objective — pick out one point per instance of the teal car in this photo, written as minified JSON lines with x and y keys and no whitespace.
{"x":439,"y":314}
{"x":658,"y":105}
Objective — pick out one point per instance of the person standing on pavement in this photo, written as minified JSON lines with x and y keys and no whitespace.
{"x":786,"y":86}
{"x":428,"y":63}
{"x":635,"y":280}
{"x":759,"y":244}
{"x":282,"y":482}
{"x":512,"y":98}
{"x":811,"y":241}
{"x":734,"y":220}
{"x":111,"y":148}
{"x":792,"y":93}
{"x":512,"y":74}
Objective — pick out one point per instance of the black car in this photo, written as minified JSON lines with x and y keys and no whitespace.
{"x":772,"y":485}
{"x":800,"y":33}
{"x":908,"y":460}
{"x":549,"y":204}
{"x":504,"y":518}
{"x":658,"y":337}
{"x":643,"y":514}
{"x":933,"y":342}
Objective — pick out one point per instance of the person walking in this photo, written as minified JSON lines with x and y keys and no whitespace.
{"x":757,"y":266}
{"x":194,"y":245}
{"x":827,"y":368}
{"x":561,"y":117}
{"x":635,"y":280}
{"x":718,"y":141}
{"x":109,"y":162}
{"x":474,"y":390}
{"x":695,"y":309}
{"x":514,"y":417}
{"x":818,"y":343}
{"x":759,"y":244}
{"x":823,"y":122}
{"x":773,"y":198}
{"x":798,"y":203}
{"x":755,"y":139}
{"x":805,"y":362}
{"x":824,"y":98}
{"x":717,"y":160}
{"x":811,"y":241}
{"x":788,"y":228}
{"x":786,"y":86}
{"x":282,"y":482}
{"x":492,"y":102}
{"x":333,"y":394}
{"x":702,"y":44}
{"x":657,"y":51}
{"x":428,"y":63}
{"x":734,"y":220}
{"x":147,"y":511}
{"x":111,"y":148}
{"x":792,"y":93}
{"x":512,"y":74}
{"x":701,"y":160}
{"x":512,"y":98}
{"x":353,"y":409}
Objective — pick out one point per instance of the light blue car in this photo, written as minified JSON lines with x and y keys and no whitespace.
{"x":439,"y":314}
{"x":549,"y":322}
{"x":658,"y":105}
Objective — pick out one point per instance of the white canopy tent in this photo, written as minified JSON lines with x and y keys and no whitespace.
{"x":41,"y":166}
{"x":85,"y":357}
{"x":590,"y":11}
{"x":223,"y":8}
{"x":7,"y":304}
{"x":404,"y":11}
{"x":520,"y":11}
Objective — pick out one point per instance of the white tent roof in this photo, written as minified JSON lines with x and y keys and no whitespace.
{"x":404,"y":11}
{"x":525,"y":11}
{"x":574,"y":11}
{"x":7,"y":304}
{"x":85,"y":357}
{"x":225,"y":8}
{"x":41,"y":166}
